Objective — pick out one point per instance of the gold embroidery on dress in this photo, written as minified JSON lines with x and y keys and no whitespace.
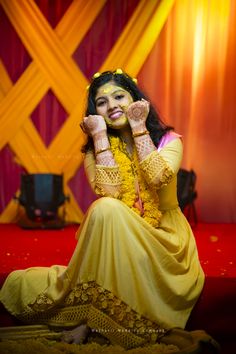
{"x":108,"y":175}
{"x":108,"y":181}
{"x":157,"y":172}
{"x":42,"y":302}
{"x":101,"y":310}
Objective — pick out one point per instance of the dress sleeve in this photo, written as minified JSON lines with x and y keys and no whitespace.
{"x":160,"y":167}
{"x":104,"y":180}
{"x":89,"y":167}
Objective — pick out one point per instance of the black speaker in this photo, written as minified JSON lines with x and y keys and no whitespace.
{"x":186,"y":191}
{"x":41,"y":195}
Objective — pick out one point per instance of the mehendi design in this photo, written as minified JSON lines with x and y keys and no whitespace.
{"x":137,"y":111}
{"x":144,"y":146}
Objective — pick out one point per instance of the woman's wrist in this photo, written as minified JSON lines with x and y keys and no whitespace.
{"x":140,"y":133}
{"x":105,"y":158}
{"x":144,"y":144}
{"x":101,"y":142}
{"x":139,"y":130}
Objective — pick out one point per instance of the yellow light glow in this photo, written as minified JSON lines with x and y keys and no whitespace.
{"x":210,"y":32}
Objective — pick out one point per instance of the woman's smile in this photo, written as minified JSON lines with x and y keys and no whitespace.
{"x":115,"y":114}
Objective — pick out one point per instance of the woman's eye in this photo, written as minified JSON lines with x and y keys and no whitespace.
{"x":100,"y":103}
{"x":119,"y":97}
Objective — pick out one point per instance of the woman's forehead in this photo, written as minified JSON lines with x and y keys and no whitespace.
{"x":108,"y":89}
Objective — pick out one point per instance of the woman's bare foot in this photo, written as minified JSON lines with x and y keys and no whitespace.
{"x":77,"y":335}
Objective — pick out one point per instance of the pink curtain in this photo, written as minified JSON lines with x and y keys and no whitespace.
{"x":189,"y":76}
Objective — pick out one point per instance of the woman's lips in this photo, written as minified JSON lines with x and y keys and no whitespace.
{"x":115,"y":115}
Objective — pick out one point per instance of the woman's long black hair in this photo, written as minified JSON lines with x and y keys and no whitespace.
{"x":154,"y":124}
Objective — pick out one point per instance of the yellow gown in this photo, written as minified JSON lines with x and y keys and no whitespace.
{"x":126,"y":279}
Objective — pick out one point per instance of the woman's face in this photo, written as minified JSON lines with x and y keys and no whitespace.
{"x":111,"y":103}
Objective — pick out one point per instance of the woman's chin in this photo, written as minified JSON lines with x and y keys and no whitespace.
{"x":118,"y":123}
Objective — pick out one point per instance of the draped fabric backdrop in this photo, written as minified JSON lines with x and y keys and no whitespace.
{"x":182,"y":52}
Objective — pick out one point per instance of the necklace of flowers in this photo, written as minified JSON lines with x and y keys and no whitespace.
{"x":131,"y":174}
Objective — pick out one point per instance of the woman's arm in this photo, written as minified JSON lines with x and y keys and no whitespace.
{"x":102,"y":171}
{"x":157,"y":170}
{"x":160,"y":167}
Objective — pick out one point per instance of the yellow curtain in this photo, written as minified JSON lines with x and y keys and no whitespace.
{"x":139,"y":36}
{"x":53,"y":67}
{"x":17,"y":105}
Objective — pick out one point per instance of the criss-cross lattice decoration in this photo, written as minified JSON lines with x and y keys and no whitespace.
{"x":53,"y":68}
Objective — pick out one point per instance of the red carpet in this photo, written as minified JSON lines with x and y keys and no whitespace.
{"x":215,"y":311}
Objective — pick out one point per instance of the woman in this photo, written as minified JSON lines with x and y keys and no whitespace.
{"x":135,"y":273}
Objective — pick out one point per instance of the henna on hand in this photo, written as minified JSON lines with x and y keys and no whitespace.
{"x":93,"y":124}
{"x":137,"y":112}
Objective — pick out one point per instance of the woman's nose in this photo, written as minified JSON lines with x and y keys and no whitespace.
{"x":112,"y":103}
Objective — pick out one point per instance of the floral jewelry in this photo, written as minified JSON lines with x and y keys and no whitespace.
{"x":120,"y":71}
{"x":97,"y":74}
{"x":131,"y":174}
{"x":117,"y":71}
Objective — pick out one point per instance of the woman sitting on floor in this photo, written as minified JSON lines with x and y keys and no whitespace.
{"x":135,"y":273}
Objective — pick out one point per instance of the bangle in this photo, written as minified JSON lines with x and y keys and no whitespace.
{"x":140,"y":133}
{"x":102,"y":150}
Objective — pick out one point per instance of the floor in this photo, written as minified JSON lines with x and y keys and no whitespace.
{"x":215,"y":311}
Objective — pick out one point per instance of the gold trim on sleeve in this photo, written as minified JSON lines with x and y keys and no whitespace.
{"x":107,"y":181}
{"x":156,"y":170}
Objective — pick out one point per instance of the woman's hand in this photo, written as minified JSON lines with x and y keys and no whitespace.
{"x":93,"y":124}
{"x":137,"y":114}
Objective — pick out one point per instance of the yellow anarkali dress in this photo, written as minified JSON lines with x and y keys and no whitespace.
{"x":127,"y":279}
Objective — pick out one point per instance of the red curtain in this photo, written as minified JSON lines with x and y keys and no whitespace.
{"x":189,"y":76}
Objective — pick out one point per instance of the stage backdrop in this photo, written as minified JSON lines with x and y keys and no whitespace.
{"x":183,"y":54}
